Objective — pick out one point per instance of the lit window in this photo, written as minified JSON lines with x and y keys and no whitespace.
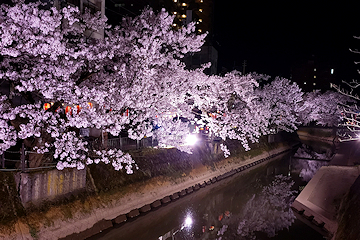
{"x":200,"y":20}
{"x":197,"y":22}
{"x":183,"y":4}
{"x":183,"y":16}
{"x":175,"y":0}
{"x":304,"y":83}
{"x":175,"y":13}
{"x":314,"y":84}
{"x":314,"y":69}
{"x":200,"y":9}
{"x":199,"y":30}
{"x":314,"y":76}
{"x":332,"y":71}
{"x":201,"y":1}
{"x":174,"y":24}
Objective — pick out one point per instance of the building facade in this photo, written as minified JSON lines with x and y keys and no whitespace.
{"x":314,"y":74}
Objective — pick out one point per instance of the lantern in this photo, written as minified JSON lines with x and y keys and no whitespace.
{"x":46,"y":106}
{"x":68,"y":110}
{"x":78,"y":108}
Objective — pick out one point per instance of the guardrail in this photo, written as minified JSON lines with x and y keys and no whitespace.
{"x":18,"y":161}
{"x":11,"y":161}
{"x":125,"y":143}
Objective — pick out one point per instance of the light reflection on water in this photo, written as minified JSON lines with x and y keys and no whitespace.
{"x":214,"y":212}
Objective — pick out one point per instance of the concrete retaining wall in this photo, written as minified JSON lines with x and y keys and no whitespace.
{"x":46,"y":185}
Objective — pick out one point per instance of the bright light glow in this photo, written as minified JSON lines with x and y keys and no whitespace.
{"x":188,"y":222}
{"x":200,"y":30}
{"x":305,"y":83}
{"x":200,"y":10}
{"x":314,"y":84}
{"x":191,"y":139}
{"x":314,"y":69}
{"x":314,"y":76}
{"x":332,"y":71}
{"x":200,"y":20}
{"x":183,"y":4}
{"x":183,"y":16}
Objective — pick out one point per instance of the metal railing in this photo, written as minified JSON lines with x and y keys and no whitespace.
{"x":125,"y":143}
{"x":19,"y":161}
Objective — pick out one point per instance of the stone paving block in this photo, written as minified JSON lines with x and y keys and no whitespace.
{"x":133,"y":213}
{"x":197,"y":187}
{"x":183,"y":193}
{"x":318,"y":222}
{"x":189,"y":190}
{"x":103,"y":225}
{"x":156,"y":204}
{"x":120,"y":219}
{"x":166,"y":199}
{"x":174,"y":196}
{"x":221,"y":177}
{"x":213,"y":180}
{"x":308,"y":216}
{"x":145,"y":208}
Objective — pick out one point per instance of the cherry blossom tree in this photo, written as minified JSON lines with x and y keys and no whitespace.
{"x":349,"y":128}
{"x":283,"y":98}
{"x":308,"y":168}
{"x":49,"y":56}
{"x":229,"y":107}
{"x":269,"y":211}
{"x":322,"y":108}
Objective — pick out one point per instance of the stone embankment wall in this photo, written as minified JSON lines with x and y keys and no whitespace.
{"x":35,"y":187}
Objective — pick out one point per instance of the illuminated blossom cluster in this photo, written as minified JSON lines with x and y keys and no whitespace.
{"x":50,"y":56}
{"x":308,"y":168}
{"x":283,"y":98}
{"x":323,"y":108}
{"x":269,"y":211}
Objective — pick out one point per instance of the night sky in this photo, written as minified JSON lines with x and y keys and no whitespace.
{"x":273,"y":37}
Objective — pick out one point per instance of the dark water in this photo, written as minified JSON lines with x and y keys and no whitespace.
{"x":215,"y":207}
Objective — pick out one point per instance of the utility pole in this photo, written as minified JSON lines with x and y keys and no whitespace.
{"x":244,"y":65}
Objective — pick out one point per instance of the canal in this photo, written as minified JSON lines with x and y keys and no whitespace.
{"x":218,"y":210}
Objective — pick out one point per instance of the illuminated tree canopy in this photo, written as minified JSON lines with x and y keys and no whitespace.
{"x":62,"y":79}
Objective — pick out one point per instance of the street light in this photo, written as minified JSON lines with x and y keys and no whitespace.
{"x":191,"y":139}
